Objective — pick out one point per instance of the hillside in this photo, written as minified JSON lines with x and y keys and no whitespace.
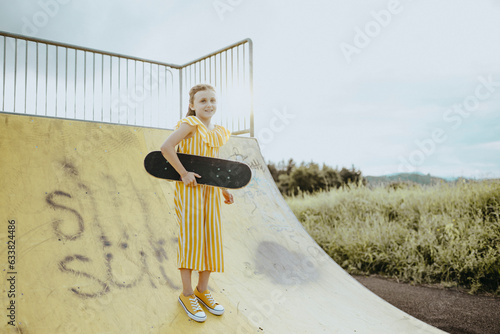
{"x":418,"y":178}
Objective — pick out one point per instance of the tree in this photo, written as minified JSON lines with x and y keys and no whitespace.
{"x":331,"y":178}
{"x":310,"y":178}
{"x":351,"y":176}
{"x":306,"y":178}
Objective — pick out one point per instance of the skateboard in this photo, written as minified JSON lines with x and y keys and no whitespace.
{"x":213,"y":171}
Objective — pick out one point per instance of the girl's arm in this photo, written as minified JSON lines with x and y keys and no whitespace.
{"x":168,"y":150}
{"x":228,"y":197}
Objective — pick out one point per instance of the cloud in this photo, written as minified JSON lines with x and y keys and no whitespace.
{"x":490,"y":146}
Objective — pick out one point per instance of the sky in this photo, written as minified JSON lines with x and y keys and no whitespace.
{"x":385,"y":86}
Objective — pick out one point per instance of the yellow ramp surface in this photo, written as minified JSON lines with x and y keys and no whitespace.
{"x":88,"y":244}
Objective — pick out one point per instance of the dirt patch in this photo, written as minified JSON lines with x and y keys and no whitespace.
{"x":450,"y":310}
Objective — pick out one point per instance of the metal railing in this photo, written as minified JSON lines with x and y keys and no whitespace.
{"x":42,"y":77}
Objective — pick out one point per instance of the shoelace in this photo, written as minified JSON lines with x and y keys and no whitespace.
{"x":194,"y":304}
{"x":210,"y":299}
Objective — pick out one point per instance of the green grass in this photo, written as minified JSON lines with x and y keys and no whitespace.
{"x":447,"y":233}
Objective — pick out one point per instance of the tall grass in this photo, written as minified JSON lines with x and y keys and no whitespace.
{"x":447,"y":233}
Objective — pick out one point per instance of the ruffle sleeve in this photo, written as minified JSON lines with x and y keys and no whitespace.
{"x":213,"y":138}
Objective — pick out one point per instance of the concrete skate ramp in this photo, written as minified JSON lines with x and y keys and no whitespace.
{"x":95,"y":244}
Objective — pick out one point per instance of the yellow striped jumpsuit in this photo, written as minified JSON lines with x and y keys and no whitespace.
{"x":198,"y":208}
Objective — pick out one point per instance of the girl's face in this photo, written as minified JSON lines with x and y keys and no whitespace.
{"x":204,"y":104}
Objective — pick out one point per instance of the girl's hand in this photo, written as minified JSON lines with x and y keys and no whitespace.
{"x":228,"y":197}
{"x":189,"y":179}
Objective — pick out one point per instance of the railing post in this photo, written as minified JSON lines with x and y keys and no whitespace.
{"x":250,"y":51}
{"x":181,"y":93}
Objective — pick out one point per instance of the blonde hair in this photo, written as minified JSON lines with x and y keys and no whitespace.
{"x":192,"y":93}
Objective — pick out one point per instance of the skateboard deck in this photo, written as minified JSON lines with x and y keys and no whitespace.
{"x":213,"y":171}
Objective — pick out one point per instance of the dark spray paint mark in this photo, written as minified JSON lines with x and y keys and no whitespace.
{"x":112,"y":279}
{"x":159,"y":250}
{"x":158,"y":245}
{"x":81,"y":258}
{"x":56,"y":225}
{"x":69,"y":168}
{"x":166,"y":278}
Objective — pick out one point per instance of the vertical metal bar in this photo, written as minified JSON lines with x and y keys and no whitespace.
{"x":26,"y":79}
{"x":250,"y":65}
{"x":226,"y":70}
{"x":167,"y":100}
{"x":220,"y":76}
{"x":158,"y":97}
{"x":102,"y":87}
{"x":238,"y":64}
{"x":166,"y":91}
{"x":76,"y":76}
{"x":199,"y":66}
{"x":180,"y":93}
{"x":84,"y":84}
{"x":158,"y":88}
{"x":46,"y":77}
{"x":93,"y":86}
{"x":244,"y":63}
{"x":128,"y":104}
{"x":205,"y":69}
{"x":232,"y":69}
{"x":192,"y":68}
{"x":151,"y":89}
{"x":244,"y":83}
{"x":4,"y":74}
{"x":119,"y":87}
{"x":135,"y":85}
{"x":132,"y":96}
{"x":57,"y":74}
{"x":110,"y":86}
{"x":36,"y":82}
{"x":66,"y":86}
{"x":143,"y":95}
{"x":15,"y":75}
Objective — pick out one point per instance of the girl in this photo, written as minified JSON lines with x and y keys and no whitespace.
{"x":197,"y":207}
